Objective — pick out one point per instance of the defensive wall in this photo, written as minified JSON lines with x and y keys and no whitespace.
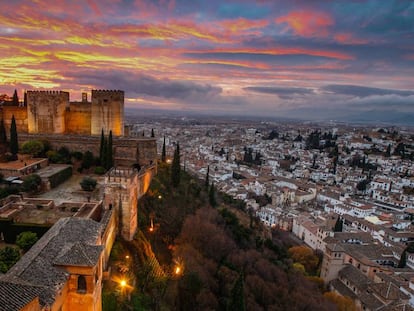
{"x":51,"y":112}
{"x":126,"y":151}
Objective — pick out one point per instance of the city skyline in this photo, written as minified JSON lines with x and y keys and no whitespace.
{"x":344,"y":60}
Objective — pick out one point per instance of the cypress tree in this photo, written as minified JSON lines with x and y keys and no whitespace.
{"x":237,"y":295}
{"x":14,"y":143}
{"x":152,"y":133}
{"x":104,"y":161}
{"x":207,"y":182}
{"x":15,"y":98}
{"x":212,"y":195}
{"x":110,"y":159}
{"x":3,"y":137}
{"x":163,"y":153}
{"x":101,"y":147}
{"x":175,"y":167}
{"x":338,"y":225}
{"x":403,"y":259}
{"x":388,"y":152}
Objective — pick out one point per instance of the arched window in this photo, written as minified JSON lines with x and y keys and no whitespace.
{"x":81,"y":284}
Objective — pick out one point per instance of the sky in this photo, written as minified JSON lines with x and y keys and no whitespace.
{"x":309,"y":59}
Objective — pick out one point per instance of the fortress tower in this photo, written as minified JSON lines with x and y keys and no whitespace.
{"x":107,"y":112}
{"x":123,"y":188}
{"x":46,"y":111}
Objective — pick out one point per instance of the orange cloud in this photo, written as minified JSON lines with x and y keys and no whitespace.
{"x":243,"y":64}
{"x":308,"y":23}
{"x":348,"y":38}
{"x":242,"y":26}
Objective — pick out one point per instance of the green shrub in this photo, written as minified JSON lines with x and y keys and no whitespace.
{"x":33,"y":147}
{"x":77,"y":155}
{"x":31,"y":183}
{"x":8,"y":257}
{"x":88,"y":184}
{"x":99,"y":170}
{"x":26,"y":240}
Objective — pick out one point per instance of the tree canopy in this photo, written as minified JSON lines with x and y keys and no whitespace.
{"x":33,"y":147}
{"x":26,"y":240}
{"x":8,"y":257}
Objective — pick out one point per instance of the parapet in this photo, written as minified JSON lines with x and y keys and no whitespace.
{"x":49,"y":92}
{"x":107,"y":92}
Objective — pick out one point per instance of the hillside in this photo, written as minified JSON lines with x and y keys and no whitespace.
{"x":191,"y":256}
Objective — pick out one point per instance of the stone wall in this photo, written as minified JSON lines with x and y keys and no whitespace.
{"x":127,"y":151}
{"x":107,"y":112}
{"x":49,"y":112}
{"x":78,"y":118}
{"x":20,"y":115}
{"x":46,"y":111}
{"x":123,"y":188}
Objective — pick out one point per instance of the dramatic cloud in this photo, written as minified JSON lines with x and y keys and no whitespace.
{"x":265,"y":57}
{"x":282,"y":92}
{"x":362,"y":91}
{"x":308,"y":23}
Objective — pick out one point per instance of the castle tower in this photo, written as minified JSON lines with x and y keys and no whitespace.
{"x":107,"y":112}
{"x":121,"y":193}
{"x":46,"y":111}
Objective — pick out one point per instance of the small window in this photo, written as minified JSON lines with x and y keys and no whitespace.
{"x":81,"y":284}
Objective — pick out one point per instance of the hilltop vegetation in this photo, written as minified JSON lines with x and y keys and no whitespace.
{"x":191,"y":256}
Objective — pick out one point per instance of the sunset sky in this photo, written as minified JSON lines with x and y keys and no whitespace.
{"x":300,"y":58}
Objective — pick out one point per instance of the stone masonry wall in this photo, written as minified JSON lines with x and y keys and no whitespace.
{"x":107,"y":112}
{"x":20,"y":115}
{"x":46,"y":111}
{"x":127,"y":151}
{"x":78,"y":118}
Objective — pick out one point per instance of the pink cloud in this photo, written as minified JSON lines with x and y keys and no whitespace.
{"x":307,"y":23}
{"x":348,"y":38}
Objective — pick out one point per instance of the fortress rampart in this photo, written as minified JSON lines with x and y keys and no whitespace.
{"x":51,"y":112}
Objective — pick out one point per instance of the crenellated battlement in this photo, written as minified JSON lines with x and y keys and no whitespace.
{"x":50,"y":111}
{"x":47,"y":92}
{"x":107,"y":91}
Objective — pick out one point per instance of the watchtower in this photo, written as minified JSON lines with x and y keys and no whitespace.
{"x":107,"y":112}
{"x":46,"y":111}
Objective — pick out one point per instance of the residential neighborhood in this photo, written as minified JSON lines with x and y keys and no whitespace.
{"x":346,"y":192}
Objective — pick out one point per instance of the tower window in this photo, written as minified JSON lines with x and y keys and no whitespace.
{"x":81,"y":284}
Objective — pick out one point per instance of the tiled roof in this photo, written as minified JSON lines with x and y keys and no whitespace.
{"x":389,"y":291}
{"x":14,"y":295}
{"x":37,"y":266}
{"x":80,"y":254}
{"x":355,"y":276}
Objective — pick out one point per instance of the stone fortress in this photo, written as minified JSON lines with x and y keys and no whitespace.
{"x":51,"y":116}
{"x":51,"y":112}
{"x":65,"y":268}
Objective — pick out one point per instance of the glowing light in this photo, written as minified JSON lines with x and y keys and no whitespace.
{"x":178,"y":269}
{"x":123,"y":283}
{"x":127,"y":257}
{"x":160,"y":197}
